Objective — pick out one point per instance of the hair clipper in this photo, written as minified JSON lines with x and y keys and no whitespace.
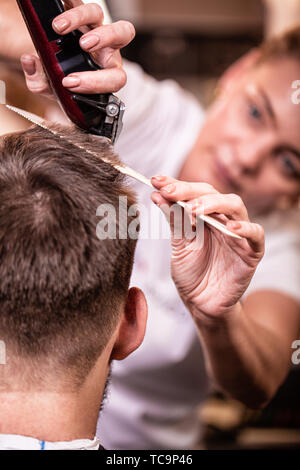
{"x":99,"y":114}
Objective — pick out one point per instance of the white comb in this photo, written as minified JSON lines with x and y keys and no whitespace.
{"x":121,"y":168}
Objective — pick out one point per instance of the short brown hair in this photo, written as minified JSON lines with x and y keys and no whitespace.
{"x":60,"y":286}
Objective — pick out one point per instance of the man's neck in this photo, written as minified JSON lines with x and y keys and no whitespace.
{"x":54,"y":416}
{"x":48,"y":416}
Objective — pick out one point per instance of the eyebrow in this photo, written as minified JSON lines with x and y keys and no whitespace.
{"x":268,"y":106}
{"x":293,"y":150}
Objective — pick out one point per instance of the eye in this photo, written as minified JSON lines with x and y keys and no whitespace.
{"x":288,"y":164}
{"x":254,"y":112}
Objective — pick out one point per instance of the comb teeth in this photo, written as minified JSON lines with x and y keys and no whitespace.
{"x":41,"y":123}
{"x":121,"y":168}
{"x":30,"y":117}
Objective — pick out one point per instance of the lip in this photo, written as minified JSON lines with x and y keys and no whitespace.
{"x":224,"y":175}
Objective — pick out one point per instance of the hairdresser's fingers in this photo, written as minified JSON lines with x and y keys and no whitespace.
{"x":253,"y":233}
{"x":159,"y":181}
{"x":175,"y":190}
{"x":89,"y":16}
{"x":104,"y":43}
{"x":115,"y":36}
{"x":210,"y":199}
{"x":160,"y":201}
{"x":35,"y":77}
{"x":230,"y":205}
{"x":101,"y":81}
{"x":175,"y":217}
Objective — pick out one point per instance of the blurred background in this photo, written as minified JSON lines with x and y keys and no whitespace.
{"x":193,"y":42}
{"x":191,"y":39}
{"x":199,"y":39}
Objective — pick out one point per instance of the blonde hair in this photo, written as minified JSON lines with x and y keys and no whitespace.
{"x":286,"y":44}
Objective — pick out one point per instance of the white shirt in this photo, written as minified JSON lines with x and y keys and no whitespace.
{"x":154,"y":392}
{"x":280,"y":267}
{"x":16,"y":442}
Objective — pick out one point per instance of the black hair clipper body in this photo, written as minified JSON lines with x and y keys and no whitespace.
{"x":61,"y":55}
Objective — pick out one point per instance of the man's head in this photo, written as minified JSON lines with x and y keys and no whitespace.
{"x":250,"y":143}
{"x":64,"y":298}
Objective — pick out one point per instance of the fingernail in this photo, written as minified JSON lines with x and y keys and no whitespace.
{"x":155,"y":198}
{"x":170,"y":188}
{"x":71,"y":82}
{"x":61,"y":24}
{"x":89,"y":41}
{"x":158,"y":177}
{"x":28,"y":65}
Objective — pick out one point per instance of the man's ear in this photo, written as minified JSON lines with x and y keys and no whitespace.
{"x":237,"y":70}
{"x":132,"y":326}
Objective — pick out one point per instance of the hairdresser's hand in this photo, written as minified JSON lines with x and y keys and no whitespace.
{"x":212,"y":274}
{"x":103,"y":42}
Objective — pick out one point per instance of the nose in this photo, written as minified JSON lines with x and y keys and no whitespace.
{"x":252,"y":153}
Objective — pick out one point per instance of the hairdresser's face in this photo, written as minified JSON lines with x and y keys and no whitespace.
{"x":250,"y":143}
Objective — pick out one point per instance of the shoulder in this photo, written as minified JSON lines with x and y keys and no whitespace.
{"x":161,"y":123}
{"x":148,"y":97}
